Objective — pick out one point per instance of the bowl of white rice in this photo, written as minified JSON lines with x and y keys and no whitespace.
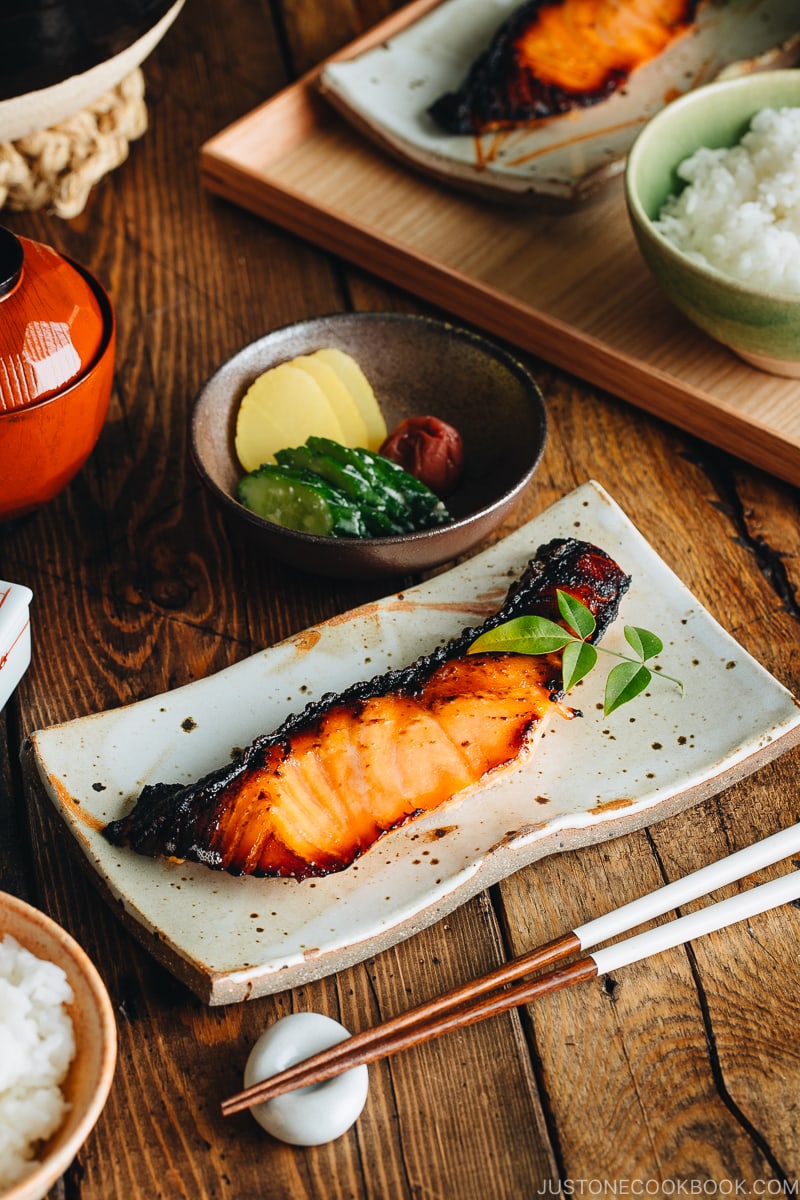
{"x":58,"y":1050}
{"x":712,"y":186}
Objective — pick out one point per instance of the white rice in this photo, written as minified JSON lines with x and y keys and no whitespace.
{"x":740,"y":210}
{"x":37,"y":1044}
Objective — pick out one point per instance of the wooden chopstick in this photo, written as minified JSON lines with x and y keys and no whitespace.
{"x":326,"y":1064}
{"x":400,"y":1025}
{"x":480,"y":998}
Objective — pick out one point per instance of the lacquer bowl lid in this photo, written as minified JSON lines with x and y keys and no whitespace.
{"x":51,"y":324}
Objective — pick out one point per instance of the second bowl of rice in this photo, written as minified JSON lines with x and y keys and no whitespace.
{"x":712,"y":186}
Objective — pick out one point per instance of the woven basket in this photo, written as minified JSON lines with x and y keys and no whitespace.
{"x":57,"y":168}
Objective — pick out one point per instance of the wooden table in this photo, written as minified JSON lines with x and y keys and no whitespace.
{"x":679,"y":1076}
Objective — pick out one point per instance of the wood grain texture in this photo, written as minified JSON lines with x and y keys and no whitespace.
{"x":681,"y":1068}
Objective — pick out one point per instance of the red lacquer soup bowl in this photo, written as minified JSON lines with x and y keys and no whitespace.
{"x":57,"y":344}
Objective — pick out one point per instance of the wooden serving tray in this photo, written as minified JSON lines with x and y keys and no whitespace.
{"x":568,"y":287}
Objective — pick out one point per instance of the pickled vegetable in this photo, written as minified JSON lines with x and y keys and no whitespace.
{"x":360,"y":389}
{"x":280,"y":408}
{"x":300,"y":500}
{"x":332,"y":490}
{"x":339,"y":396}
{"x":429,"y":449}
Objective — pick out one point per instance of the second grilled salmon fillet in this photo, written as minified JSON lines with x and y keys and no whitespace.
{"x":551,"y":56}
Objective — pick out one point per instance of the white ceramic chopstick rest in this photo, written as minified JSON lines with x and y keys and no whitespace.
{"x":311,"y":1115}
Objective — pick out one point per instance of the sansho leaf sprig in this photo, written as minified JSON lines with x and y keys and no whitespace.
{"x":538,"y":635}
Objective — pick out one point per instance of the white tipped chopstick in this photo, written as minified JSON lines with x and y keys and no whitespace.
{"x":480,"y":998}
{"x":708,"y":879}
{"x":716,"y":916}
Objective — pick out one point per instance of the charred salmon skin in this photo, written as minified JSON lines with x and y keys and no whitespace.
{"x":310,"y":797}
{"x":551,"y":56}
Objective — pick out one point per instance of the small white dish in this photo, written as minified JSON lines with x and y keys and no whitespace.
{"x":313,"y":1115}
{"x":232,"y":938}
{"x":386,"y":92}
{"x":15,"y":636}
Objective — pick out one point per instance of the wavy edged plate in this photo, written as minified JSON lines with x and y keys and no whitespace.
{"x":232,"y":938}
{"x":385,"y":92}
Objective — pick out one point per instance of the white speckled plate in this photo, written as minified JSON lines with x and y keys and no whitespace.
{"x":386,"y":92}
{"x":233,"y":938}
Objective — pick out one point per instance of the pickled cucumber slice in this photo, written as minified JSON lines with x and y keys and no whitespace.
{"x":394,"y":501}
{"x":341,"y":474}
{"x":425,"y":506}
{"x":300,"y":500}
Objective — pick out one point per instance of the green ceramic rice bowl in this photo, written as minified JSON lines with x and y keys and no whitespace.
{"x":761,"y":324}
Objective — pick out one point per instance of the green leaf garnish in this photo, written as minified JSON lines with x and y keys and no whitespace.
{"x":579,"y":658}
{"x":624,"y":682}
{"x":576,"y":614}
{"x":538,"y":635}
{"x":523,"y":635}
{"x":644,"y":643}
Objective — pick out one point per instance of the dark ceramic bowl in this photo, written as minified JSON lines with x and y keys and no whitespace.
{"x":417,"y":367}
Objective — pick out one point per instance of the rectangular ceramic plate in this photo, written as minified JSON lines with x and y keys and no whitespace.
{"x":386,"y":92}
{"x":234,"y":938}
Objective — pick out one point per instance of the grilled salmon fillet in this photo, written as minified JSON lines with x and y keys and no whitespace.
{"x":551,"y":56}
{"x":310,"y":797}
